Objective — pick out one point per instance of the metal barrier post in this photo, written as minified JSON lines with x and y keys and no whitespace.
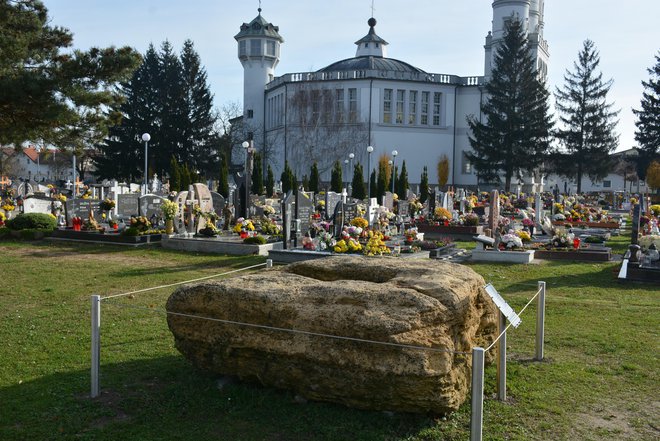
{"x":477,"y":415}
{"x":540,"y":322}
{"x":96,"y":345}
{"x":501,"y":360}
{"x":269,"y":263}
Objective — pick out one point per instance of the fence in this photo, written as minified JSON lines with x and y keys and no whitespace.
{"x":478,"y":353}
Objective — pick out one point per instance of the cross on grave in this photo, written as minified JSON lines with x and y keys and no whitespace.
{"x":78,"y":185}
{"x":5,"y":182}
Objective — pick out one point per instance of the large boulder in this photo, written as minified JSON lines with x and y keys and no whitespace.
{"x":422,"y":303}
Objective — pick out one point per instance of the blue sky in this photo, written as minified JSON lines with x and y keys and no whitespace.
{"x":438,"y":36}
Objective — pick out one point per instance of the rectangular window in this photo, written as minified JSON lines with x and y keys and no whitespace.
{"x":400,"y":96}
{"x":270,"y":48}
{"x":316,"y":105}
{"x":242,"y":48}
{"x":607,"y":184}
{"x":339,"y":106}
{"x":387,"y":106}
{"x":352,"y":105}
{"x":412,"y":107}
{"x":255,"y":47}
{"x":425,"y":109}
{"x":466,"y":166}
{"x":436,"y":108}
{"x":327,"y":106}
{"x":250,"y":113}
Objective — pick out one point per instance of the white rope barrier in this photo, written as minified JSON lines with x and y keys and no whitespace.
{"x":519,"y":314}
{"x":184,"y":282}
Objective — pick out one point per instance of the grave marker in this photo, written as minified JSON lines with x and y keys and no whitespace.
{"x":634,"y":237}
{"x":494,"y":215}
{"x":287,"y":217}
{"x":128,"y":205}
{"x":36,"y":204}
{"x":218,"y":203}
{"x":304,"y":212}
{"x":331,"y":201}
{"x":388,"y":201}
{"x":404,"y":208}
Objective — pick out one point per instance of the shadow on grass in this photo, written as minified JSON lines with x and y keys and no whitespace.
{"x":224,"y":264}
{"x":167,"y":399}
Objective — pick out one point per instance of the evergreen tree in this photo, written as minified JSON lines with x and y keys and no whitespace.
{"x":381,"y":183}
{"x":270,"y":182}
{"x":287,"y":178}
{"x":223,"y":181}
{"x":648,"y":121}
{"x":359,"y":188}
{"x":336,"y":182}
{"x":175,"y":175}
{"x":200,"y":141}
{"x":186,"y":178}
{"x":314,"y":178}
{"x":402,"y":183}
{"x":49,"y":92}
{"x":515,"y":134}
{"x":257,"y":175}
{"x":424,"y":186}
{"x":305,"y":182}
{"x":588,"y":121}
{"x":373,"y":184}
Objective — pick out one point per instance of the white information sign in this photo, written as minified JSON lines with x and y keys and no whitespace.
{"x":503,"y":306}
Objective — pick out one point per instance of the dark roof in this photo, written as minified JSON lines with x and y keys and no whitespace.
{"x":371,"y":63}
{"x":259,"y":27}
{"x":371,"y":36}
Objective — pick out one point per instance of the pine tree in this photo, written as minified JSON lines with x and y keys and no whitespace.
{"x":287,"y":179}
{"x":402,"y":183}
{"x":381,"y":183}
{"x":515,"y":134}
{"x":257,"y":175}
{"x":336,"y":182}
{"x":305,"y":182}
{"x":359,"y":188}
{"x":223,"y":181}
{"x":314,"y":178}
{"x":373,"y":185}
{"x":186,"y":178}
{"x":588,"y":121}
{"x":648,"y":121}
{"x":175,"y":175}
{"x":49,"y":92}
{"x":424,"y":186}
{"x":270,"y":182}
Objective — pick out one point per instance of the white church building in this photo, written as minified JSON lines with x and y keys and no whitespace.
{"x":369,"y":100}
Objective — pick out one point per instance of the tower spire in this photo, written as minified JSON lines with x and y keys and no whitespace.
{"x":259,"y":9}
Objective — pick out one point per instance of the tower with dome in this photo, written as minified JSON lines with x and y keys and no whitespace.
{"x":369,"y":99}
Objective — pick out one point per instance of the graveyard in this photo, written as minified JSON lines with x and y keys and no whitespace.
{"x":598,"y":260}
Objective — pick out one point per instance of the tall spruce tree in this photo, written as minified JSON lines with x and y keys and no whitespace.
{"x":402,"y":182}
{"x":424,"y":185}
{"x":381,"y":182}
{"x":175,"y":175}
{"x":287,"y":178}
{"x":373,"y":184}
{"x":359,"y":190}
{"x":515,"y":134}
{"x":223,"y":181}
{"x":257,"y":175}
{"x":270,"y":182}
{"x":314,"y":178}
{"x":336,"y":182}
{"x":648,"y":121}
{"x":588,"y":122}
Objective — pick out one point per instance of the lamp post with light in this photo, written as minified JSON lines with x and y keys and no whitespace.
{"x":394,"y":153}
{"x":350,"y":157}
{"x":146,"y":138}
{"x":246,"y":145}
{"x":370,"y":149}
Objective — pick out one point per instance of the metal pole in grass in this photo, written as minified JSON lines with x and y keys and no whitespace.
{"x":96,"y":345}
{"x":501,"y":360}
{"x":269,"y":263}
{"x":477,"y":413}
{"x":540,"y":321}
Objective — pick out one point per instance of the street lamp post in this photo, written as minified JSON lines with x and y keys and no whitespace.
{"x":369,"y":150}
{"x":394,"y":153}
{"x":350,"y":157}
{"x":146,"y":138}
{"x":246,"y":146}
{"x":38,"y":149}
{"x":346,"y":166}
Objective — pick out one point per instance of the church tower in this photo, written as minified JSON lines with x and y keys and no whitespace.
{"x":259,"y":52}
{"x":371,"y":44}
{"x":530,"y":14}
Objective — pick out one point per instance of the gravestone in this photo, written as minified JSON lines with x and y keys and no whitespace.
{"x":179,"y":219}
{"x":150,"y":205}
{"x":637,"y":212}
{"x":205,"y":201}
{"x":344,"y":214}
{"x":433,"y":202}
{"x":331,"y":201}
{"x":36,"y":204}
{"x":287,"y":217}
{"x":218,"y":203}
{"x":128,"y":205}
{"x":257,"y":205}
{"x":538,"y":209}
{"x":404,"y":208}
{"x":82,"y":208}
{"x":447,"y":202}
{"x":462,"y":204}
{"x":304,"y":212}
{"x":191,"y":218}
{"x":373,"y":211}
{"x":494,"y":215}
{"x":388,"y":201}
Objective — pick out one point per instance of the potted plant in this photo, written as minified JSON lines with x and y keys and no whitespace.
{"x":169,"y":210}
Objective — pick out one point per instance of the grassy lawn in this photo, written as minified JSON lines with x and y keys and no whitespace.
{"x":598,"y":383}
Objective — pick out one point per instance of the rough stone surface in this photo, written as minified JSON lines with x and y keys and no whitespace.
{"x":409,"y":302}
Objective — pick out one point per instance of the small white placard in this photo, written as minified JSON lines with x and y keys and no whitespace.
{"x":503,"y":306}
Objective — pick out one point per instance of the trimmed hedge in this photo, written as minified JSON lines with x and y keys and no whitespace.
{"x":35,"y":221}
{"x":255,"y":240}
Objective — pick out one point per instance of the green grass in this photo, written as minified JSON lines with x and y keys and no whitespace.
{"x":599,"y":381}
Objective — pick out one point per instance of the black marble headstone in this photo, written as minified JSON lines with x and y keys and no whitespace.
{"x":287,"y":217}
{"x":304,"y":212}
{"x":218,"y":202}
{"x":433,"y":202}
{"x":150,"y":205}
{"x":331,"y":201}
{"x":404,"y":208}
{"x":637,"y":212}
{"x":82,"y":207}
